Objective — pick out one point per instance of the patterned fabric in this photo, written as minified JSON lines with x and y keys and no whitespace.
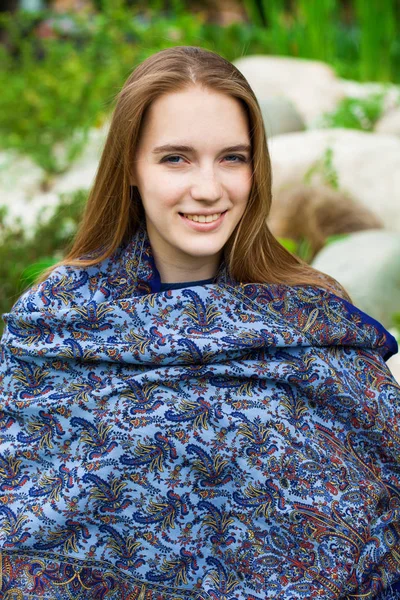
{"x":391,"y":593}
{"x":222,"y":442}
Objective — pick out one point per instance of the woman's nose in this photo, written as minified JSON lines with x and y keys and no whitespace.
{"x":206,"y":187}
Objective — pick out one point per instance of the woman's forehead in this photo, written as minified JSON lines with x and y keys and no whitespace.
{"x":184,"y":116}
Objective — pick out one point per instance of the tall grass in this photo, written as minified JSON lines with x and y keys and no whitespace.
{"x":276,"y":20}
{"x":378,"y":29}
{"x":317,"y":18}
{"x":64,"y":86}
{"x":363,"y":33}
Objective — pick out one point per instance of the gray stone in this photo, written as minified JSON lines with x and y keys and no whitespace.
{"x":82,"y":172}
{"x":311,"y":85}
{"x":389,"y":123}
{"x":367,"y":264}
{"x":21,"y":181}
{"x":367,"y":166}
{"x":313,"y":213}
{"x":355,"y":89}
{"x":280,"y":116}
{"x":394,"y":365}
{"x":20,"y":187}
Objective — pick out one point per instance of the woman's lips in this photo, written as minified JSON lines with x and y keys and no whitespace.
{"x":203,"y":226}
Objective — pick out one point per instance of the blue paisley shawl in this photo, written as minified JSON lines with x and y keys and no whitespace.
{"x":220,"y":442}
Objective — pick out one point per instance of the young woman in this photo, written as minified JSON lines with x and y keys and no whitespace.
{"x":188,"y":410}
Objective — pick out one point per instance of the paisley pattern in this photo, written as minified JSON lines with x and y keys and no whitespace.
{"x":220,"y":442}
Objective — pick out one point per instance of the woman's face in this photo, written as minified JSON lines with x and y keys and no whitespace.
{"x":193,"y":164}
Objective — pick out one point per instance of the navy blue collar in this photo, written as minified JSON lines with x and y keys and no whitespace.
{"x":184,"y":284}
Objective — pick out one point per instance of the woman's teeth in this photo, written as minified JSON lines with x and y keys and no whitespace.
{"x":203,"y":218}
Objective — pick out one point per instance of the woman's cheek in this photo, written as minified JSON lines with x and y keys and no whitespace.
{"x":172,"y":191}
{"x":241,"y":190}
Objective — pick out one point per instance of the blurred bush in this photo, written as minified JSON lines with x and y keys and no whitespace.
{"x":360,"y":38}
{"x":61,"y":72}
{"x":55,"y":89}
{"x":356,"y":113}
{"x":23,"y":257}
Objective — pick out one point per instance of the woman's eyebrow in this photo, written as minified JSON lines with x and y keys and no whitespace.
{"x":180,"y":148}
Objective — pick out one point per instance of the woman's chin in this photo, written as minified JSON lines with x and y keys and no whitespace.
{"x":207,"y":245}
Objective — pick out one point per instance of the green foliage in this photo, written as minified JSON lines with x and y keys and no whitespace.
{"x":57,"y":99}
{"x":325,"y":170}
{"x":356,"y":113}
{"x":337,"y":237}
{"x":317,"y":18}
{"x":65,"y":85}
{"x":289,"y":244}
{"x":22,"y":257}
{"x":302,"y":249}
{"x":55,"y":90}
{"x":378,"y":29}
{"x":30,"y":275}
{"x":360,"y":38}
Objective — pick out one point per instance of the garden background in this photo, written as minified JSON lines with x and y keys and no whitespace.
{"x":331,"y":109}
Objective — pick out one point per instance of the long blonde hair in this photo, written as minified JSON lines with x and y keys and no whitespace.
{"x":113,"y":210}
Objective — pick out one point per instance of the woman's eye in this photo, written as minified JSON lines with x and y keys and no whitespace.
{"x":232,"y":158}
{"x":236,"y":157}
{"x":171,"y":159}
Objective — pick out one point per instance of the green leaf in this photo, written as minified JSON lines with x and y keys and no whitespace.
{"x":332,"y":239}
{"x":31,"y":273}
{"x":289,"y":244}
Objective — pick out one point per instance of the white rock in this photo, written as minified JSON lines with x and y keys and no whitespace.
{"x":80,"y":176}
{"x":82,"y":172}
{"x":367,"y":264}
{"x":311,"y":85}
{"x":280,"y":116}
{"x":356,"y":89}
{"x":394,"y":365}
{"x":389,"y":123}
{"x":367,"y":164}
{"x":21,"y":181}
{"x":20,"y":187}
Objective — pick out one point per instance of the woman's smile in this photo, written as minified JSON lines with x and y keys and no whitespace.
{"x":203,"y":223}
